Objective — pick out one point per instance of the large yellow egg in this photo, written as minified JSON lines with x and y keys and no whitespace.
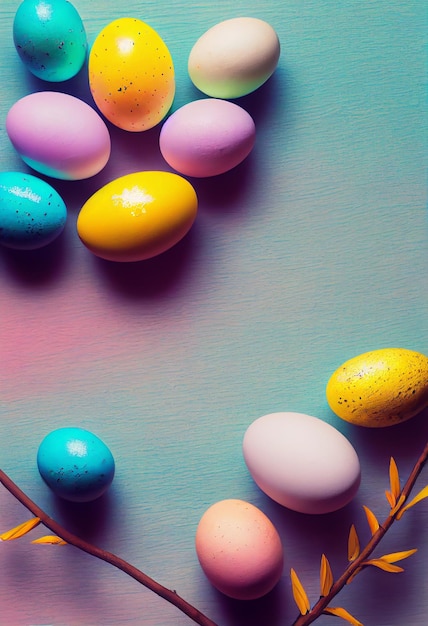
{"x":137,"y":216}
{"x":380,"y":388}
{"x":131,"y":74}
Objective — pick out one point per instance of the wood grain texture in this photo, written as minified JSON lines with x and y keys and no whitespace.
{"x":312,"y":251}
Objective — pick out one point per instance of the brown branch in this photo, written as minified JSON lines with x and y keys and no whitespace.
{"x":172,"y":597}
{"x":323,"y":602}
{"x":108,"y":557}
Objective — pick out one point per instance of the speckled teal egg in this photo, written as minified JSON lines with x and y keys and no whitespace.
{"x":75,"y":464}
{"x":50,"y":39}
{"x":32,"y":213}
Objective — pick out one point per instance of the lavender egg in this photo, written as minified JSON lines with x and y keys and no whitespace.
{"x":59,"y":135}
{"x":207,"y":137}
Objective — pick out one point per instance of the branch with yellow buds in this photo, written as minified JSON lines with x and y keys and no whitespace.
{"x":360,"y":559}
{"x":62,"y":536}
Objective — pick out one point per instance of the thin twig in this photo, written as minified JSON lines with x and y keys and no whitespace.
{"x":324,"y":601}
{"x":172,"y":597}
{"x":108,"y":557}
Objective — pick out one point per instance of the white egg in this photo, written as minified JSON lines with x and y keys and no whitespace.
{"x":302,"y":462}
{"x":234,"y":57}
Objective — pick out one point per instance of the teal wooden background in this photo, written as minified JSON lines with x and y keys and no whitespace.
{"x":312,"y":251}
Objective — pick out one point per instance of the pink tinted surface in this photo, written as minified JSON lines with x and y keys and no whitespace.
{"x":311,"y":251}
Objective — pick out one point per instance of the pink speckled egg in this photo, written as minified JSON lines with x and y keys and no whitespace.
{"x":59,"y":135}
{"x":239,"y":549}
{"x":301,"y":462}
{"x":207,"y":137}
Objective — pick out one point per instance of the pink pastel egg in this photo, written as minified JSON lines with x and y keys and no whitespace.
{"x":207,"y":137}
{"x":59,"y":135}
{"x":239,"y":549}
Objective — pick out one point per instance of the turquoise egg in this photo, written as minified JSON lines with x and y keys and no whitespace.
{"x":75,"y":464}
{"x":32,"y":213}
{"x":50,"y":38}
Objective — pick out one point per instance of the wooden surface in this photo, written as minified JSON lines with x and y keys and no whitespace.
{"x":312,"y":251}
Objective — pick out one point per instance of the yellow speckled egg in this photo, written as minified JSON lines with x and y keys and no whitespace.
{"x":137,"y":216}
{"x":131,"y":75}
{"x":380,"y":388}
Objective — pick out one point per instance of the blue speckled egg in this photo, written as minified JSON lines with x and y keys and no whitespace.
{"x":50,"y":39}
{"x":32,"y":213}
{"x":75,"y":464}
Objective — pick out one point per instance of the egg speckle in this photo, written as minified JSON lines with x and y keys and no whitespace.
{"x":301,"y":462}
{"x":234,"y":57}
{"x":239,"y":549}
{"x":380,"y":388}
{"x":131,"y":74}
{"x":50,"y":39}
{"x":137,"y":216}
{"x":32,"y":213}
{"x":76,"y":464}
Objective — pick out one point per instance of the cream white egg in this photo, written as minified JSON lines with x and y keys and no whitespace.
{"x":234,"y":57}
{"x":301,"y":462}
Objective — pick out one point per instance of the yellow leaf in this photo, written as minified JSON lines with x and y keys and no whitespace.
{"x":52,"y":539}
{"x":397,"y":556}
{"x":299,"y":594}
{"x":326,"y":576}
{"x":353,"y":544}
{"x":387,"y":567}
{"x":420,"y":496}
{"x":398,"y":504}
{"x":339,"y":612}
{"x":372,"y":520}
{"x":21,"y":530}
{"x":394,"y":479}
{"x":390,"y":498}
